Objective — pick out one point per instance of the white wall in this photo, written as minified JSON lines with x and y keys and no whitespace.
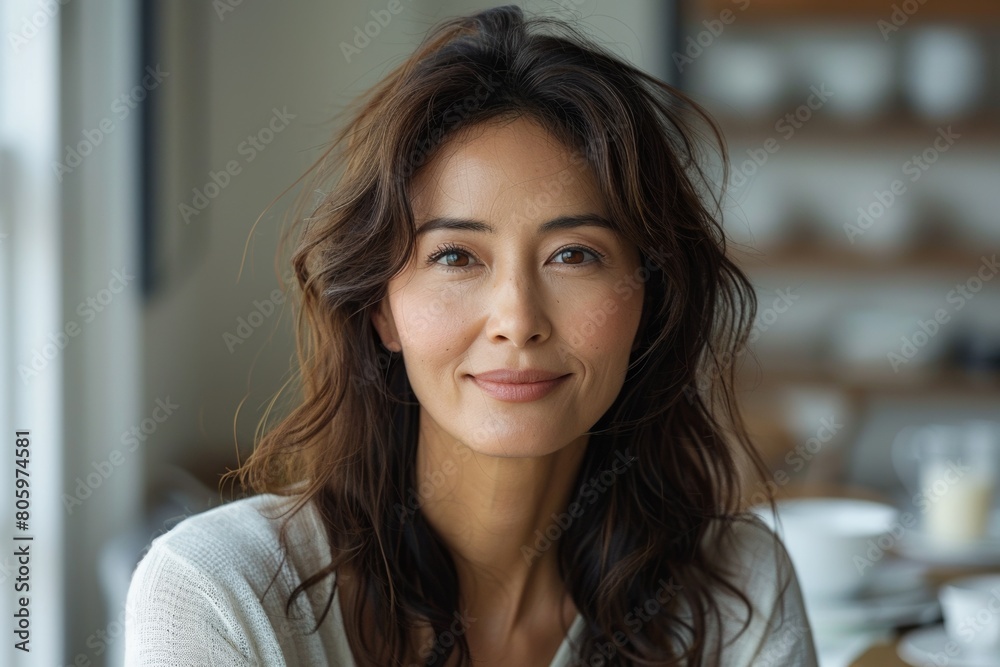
{"x":31,"y":309}
{"x":99,"y":270}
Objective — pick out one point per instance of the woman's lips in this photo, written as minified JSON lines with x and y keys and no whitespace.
{"x":518,"y":392}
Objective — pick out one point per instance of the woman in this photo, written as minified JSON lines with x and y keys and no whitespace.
{"x":518,"y":442}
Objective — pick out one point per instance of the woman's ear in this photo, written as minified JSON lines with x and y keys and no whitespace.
{"x":385,"y":325}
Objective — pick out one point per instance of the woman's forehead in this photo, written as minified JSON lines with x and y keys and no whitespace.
{"x":518,"y":164}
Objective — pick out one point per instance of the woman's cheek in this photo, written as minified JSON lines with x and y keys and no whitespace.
{"x":598,"y":320}
{"x":434,"y":323}
{"x":419,"y":310}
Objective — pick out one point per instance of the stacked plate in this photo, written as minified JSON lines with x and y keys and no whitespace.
{"x":930,"y":647}
{"x":983,"y":552}
{"x":896,"y":594}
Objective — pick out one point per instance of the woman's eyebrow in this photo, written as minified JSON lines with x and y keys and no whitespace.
{"x":562,"y":222}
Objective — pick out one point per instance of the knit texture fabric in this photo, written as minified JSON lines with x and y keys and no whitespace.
{"x":195,"y":597}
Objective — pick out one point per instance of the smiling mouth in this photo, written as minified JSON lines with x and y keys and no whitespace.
{"x":518,"y":392}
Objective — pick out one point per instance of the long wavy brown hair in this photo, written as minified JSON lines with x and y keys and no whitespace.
{"x":349,"y":446}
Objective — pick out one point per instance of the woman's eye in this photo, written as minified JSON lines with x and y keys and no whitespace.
{"x":449,"y":253}
{"x":577,"y":251}
{"x":573,"y":255}
{"x":459,"y":255}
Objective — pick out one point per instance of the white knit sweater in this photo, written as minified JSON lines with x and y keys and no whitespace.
{"x":194,"y":598}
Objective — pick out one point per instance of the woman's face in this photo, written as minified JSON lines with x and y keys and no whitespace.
{"x":515,"y":269}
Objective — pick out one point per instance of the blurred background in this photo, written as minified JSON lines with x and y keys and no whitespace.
{"x":144,"y":332}
{"x":865,"y":159}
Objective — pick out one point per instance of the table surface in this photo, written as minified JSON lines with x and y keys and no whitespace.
{"x":884,"y":654}
{"x":880,"y":655}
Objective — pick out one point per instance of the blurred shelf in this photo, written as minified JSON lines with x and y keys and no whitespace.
{"x":973,"y":11}
{"x":869,"y":381}
{"x":812,"y":257}
{"x":831,"y":490}
{"x":876,"y":133}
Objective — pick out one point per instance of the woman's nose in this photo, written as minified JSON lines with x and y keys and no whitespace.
{"x":517,"y":310}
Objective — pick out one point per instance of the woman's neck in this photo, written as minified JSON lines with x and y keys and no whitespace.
{"x":501,"y":519}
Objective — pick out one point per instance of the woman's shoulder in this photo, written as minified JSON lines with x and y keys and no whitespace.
{"x":746,"y":544}
{"x":199,"y":593}
{"x":754,"y":560}
{"x":238,"y":536}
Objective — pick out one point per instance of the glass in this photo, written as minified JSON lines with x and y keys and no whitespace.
{"x":953,"y":472}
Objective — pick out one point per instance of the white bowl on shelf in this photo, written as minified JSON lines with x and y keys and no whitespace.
{"x":757,"y":214}
{"x":741,"y":76}
{"x":826,"y":537}
{"x":863,"y":339}
{"x":892,"y":232}
{"x":856,"y":69}
{"x":945,"y":71}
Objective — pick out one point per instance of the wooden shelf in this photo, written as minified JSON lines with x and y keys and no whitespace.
{"x":860,"y":381}
{"x":972,"y":11}
{"x":898,"y":128}
{"x":812,"y":257}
